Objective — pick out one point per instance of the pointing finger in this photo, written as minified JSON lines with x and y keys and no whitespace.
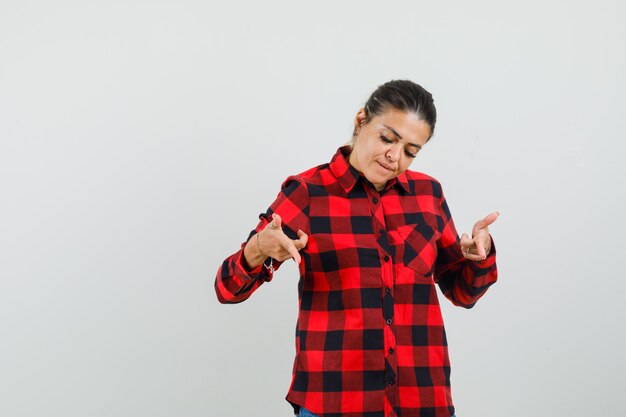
{"x":483,"y":223}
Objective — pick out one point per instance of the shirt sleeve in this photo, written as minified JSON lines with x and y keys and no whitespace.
{"x":461,"y":280}
{"x":235,"y":282}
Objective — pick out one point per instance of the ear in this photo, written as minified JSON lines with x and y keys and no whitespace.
{"x":360,"y":117}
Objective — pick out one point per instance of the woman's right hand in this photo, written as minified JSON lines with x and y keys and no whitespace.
{"x":272,"y":242}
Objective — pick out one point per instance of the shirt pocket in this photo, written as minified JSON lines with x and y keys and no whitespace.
{"x":416,"y":247}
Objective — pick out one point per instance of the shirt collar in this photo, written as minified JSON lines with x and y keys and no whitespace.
{"x":348,"y":176}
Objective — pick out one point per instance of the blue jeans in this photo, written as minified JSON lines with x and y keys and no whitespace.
{"x":306,"y":413}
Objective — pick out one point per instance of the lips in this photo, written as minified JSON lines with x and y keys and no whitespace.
{"x":385,"y":166}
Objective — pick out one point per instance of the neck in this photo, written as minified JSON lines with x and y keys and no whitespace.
{"x":352,"y":160}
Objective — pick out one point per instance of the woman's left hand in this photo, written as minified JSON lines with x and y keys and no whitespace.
{"x":478,"y":246}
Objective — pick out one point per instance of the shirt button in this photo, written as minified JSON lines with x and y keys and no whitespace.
{"x":392,"y":382}
{"x":387,"y":290}
{"x":389,"y":321}
{"x":390,"y":351}
{"x":387,"y":258}
{"x":375,"y":200}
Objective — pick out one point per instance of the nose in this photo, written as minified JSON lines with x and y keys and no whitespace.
{"x":393,"y":154}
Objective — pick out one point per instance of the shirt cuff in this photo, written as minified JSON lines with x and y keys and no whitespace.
{"x":263,"y":271}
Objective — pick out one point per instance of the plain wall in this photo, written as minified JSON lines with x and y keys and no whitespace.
{"x":139,"y":141}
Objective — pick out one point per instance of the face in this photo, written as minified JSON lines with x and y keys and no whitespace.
{"x":386,"y":145}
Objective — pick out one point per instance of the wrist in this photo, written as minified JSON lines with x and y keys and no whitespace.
{"x":252,"y":253}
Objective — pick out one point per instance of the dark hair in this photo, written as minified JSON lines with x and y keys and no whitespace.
{"x":402,"y":95}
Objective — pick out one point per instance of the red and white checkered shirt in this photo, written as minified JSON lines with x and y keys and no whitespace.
{"x":370,"y":339}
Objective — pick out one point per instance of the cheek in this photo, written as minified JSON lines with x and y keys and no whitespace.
{"x":370,"y":153}
{"x":405,"y":165}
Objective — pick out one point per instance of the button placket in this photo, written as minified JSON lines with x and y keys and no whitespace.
{"x":382,"y":236}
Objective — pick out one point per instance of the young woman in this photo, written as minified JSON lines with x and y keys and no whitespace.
{"x":371,"y":238}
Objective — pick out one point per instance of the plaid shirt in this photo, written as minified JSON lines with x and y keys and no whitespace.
{"x":370,"y":339}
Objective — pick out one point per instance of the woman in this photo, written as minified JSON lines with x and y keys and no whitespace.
{"x":371,"y":239}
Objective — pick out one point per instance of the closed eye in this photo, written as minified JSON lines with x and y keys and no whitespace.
{"x":406,"y":152}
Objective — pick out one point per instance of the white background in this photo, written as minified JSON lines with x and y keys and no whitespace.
{"x":139,"y":141}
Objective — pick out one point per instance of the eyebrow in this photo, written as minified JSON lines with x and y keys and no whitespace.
{"x":400,"y":137}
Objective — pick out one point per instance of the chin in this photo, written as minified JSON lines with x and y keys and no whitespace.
{"x":381,"y":181}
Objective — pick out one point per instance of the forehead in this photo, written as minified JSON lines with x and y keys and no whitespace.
{"x":406,"y":124}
